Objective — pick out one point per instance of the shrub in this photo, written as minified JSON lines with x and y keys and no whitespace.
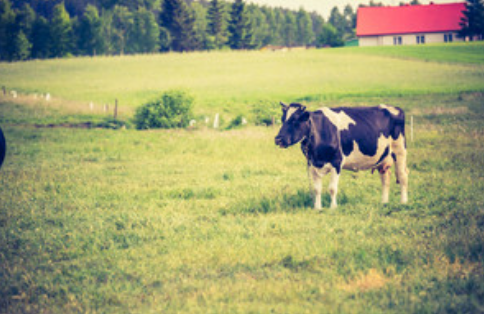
{"x":172,"y":110}
{"x":238,"y":122}
{"x":264,"y":113}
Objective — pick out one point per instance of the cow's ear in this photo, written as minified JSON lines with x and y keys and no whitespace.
{"x":304,"y":117}
{"x":284,"y":106}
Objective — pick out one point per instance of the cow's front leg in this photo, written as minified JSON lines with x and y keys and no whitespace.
{"x":317,"y":180}
{"x":333,"y":187}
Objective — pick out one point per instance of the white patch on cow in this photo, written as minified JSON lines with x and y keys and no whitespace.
{"x":341,"y":120}
{"x":394,"y":111}
{"x":290,"y":112}
{"x":358,"y":161}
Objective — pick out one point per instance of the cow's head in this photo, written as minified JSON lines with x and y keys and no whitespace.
{"x":295,"y":125}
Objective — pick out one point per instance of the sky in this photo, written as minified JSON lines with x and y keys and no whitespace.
{"x":323,"y":7}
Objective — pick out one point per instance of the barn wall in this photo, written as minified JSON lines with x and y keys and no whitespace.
{"x":407,"y":39}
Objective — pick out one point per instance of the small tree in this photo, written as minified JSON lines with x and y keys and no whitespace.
{"x":172,"y":110}
{"x":473,"y":21}
{"x":177,"y":17}
{"x":22,"y":47}
{"x":61,"y":37}
{"x":91,"y":41}
{"x":217,"y":23}
{"x":329,"y":37}
{"x":240,"y":29}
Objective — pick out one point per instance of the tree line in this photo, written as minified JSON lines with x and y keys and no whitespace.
{"x":37,"y":29}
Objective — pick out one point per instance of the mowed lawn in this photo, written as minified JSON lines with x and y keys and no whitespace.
{"x":214,"y":221}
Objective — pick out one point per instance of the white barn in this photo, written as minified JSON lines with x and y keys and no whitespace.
{"x":409,"y":24}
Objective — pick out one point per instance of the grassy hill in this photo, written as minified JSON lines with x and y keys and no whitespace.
{"x":208,"y":221}
{"x":237,"y":81}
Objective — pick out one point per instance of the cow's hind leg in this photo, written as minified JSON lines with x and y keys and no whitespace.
{"x":385,"y":183}
{"x":333,"y":187}
{"x":400,"y":157}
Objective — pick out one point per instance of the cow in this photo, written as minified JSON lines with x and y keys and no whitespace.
{"x":332,"y":139}
{"x":3,"y":147}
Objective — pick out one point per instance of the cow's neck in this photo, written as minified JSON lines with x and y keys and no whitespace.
{"x":306,"y":144}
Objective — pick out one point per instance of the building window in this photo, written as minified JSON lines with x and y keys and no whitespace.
{"x":397,"y":40}
{"x":420,"y":39}
{"x":448,"y":38}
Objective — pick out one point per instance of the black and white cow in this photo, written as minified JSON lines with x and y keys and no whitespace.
{"x":355,"y":139}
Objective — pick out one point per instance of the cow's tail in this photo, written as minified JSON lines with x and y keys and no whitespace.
{"x":399,"y":125}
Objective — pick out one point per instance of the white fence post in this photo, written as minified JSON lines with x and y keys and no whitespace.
{"x":216,"y":121}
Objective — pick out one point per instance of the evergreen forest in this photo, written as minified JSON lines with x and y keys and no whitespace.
{"x":39,"y":29}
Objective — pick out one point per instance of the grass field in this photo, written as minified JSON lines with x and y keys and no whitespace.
{"x":226,"y":81}
{"x":209,"y":221}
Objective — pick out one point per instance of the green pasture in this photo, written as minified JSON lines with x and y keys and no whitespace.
{"x":235,"y":81}
{"x":216,"y":221}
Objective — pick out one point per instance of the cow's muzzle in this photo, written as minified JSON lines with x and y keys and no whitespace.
{"x":280,"y":142}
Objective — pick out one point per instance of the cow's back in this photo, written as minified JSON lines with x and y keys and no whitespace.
{"x":367,"y":134}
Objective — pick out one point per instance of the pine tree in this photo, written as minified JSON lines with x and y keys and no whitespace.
{"x":91,"y":41}
{"x":349,"y":21}
{"x":290,"y":29}
{"x":178,"y":19}
{"x":217,"y":23}
{"x":25,"y":20}
{"x":122,"y":23}
{"x":305,"y":34}
{"x":22,"y":47}
{"x":337,"y":20}
{"x":7,"y":29}
{"x":318,"y":23}
{"x":40,"y":38}
{"x":61,"y":32}
{"x":260,"y":27}
{"x":240,"y":29}
{"x":473,"y":21}
{"x":329,"y":37}
{"x":145,"y":34}
{"x":203,"y":39}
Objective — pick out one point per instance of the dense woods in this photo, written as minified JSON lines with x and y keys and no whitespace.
{"x":37,"y":29}
{"x":31,"y":29}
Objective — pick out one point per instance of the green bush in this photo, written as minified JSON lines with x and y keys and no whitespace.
{"x":172,"y":110}
{"x":263,"y":113}
{"x":238,"y":122}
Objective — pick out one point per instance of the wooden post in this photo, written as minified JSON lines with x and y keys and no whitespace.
{"x":115,"y":109}
{"x":4,"y":91}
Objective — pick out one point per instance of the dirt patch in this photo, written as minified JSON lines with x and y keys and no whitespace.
{"x":82,"y":125}
{"x":372,"y":280}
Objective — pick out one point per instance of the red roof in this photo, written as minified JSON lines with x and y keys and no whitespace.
{"x":406,"y":19}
